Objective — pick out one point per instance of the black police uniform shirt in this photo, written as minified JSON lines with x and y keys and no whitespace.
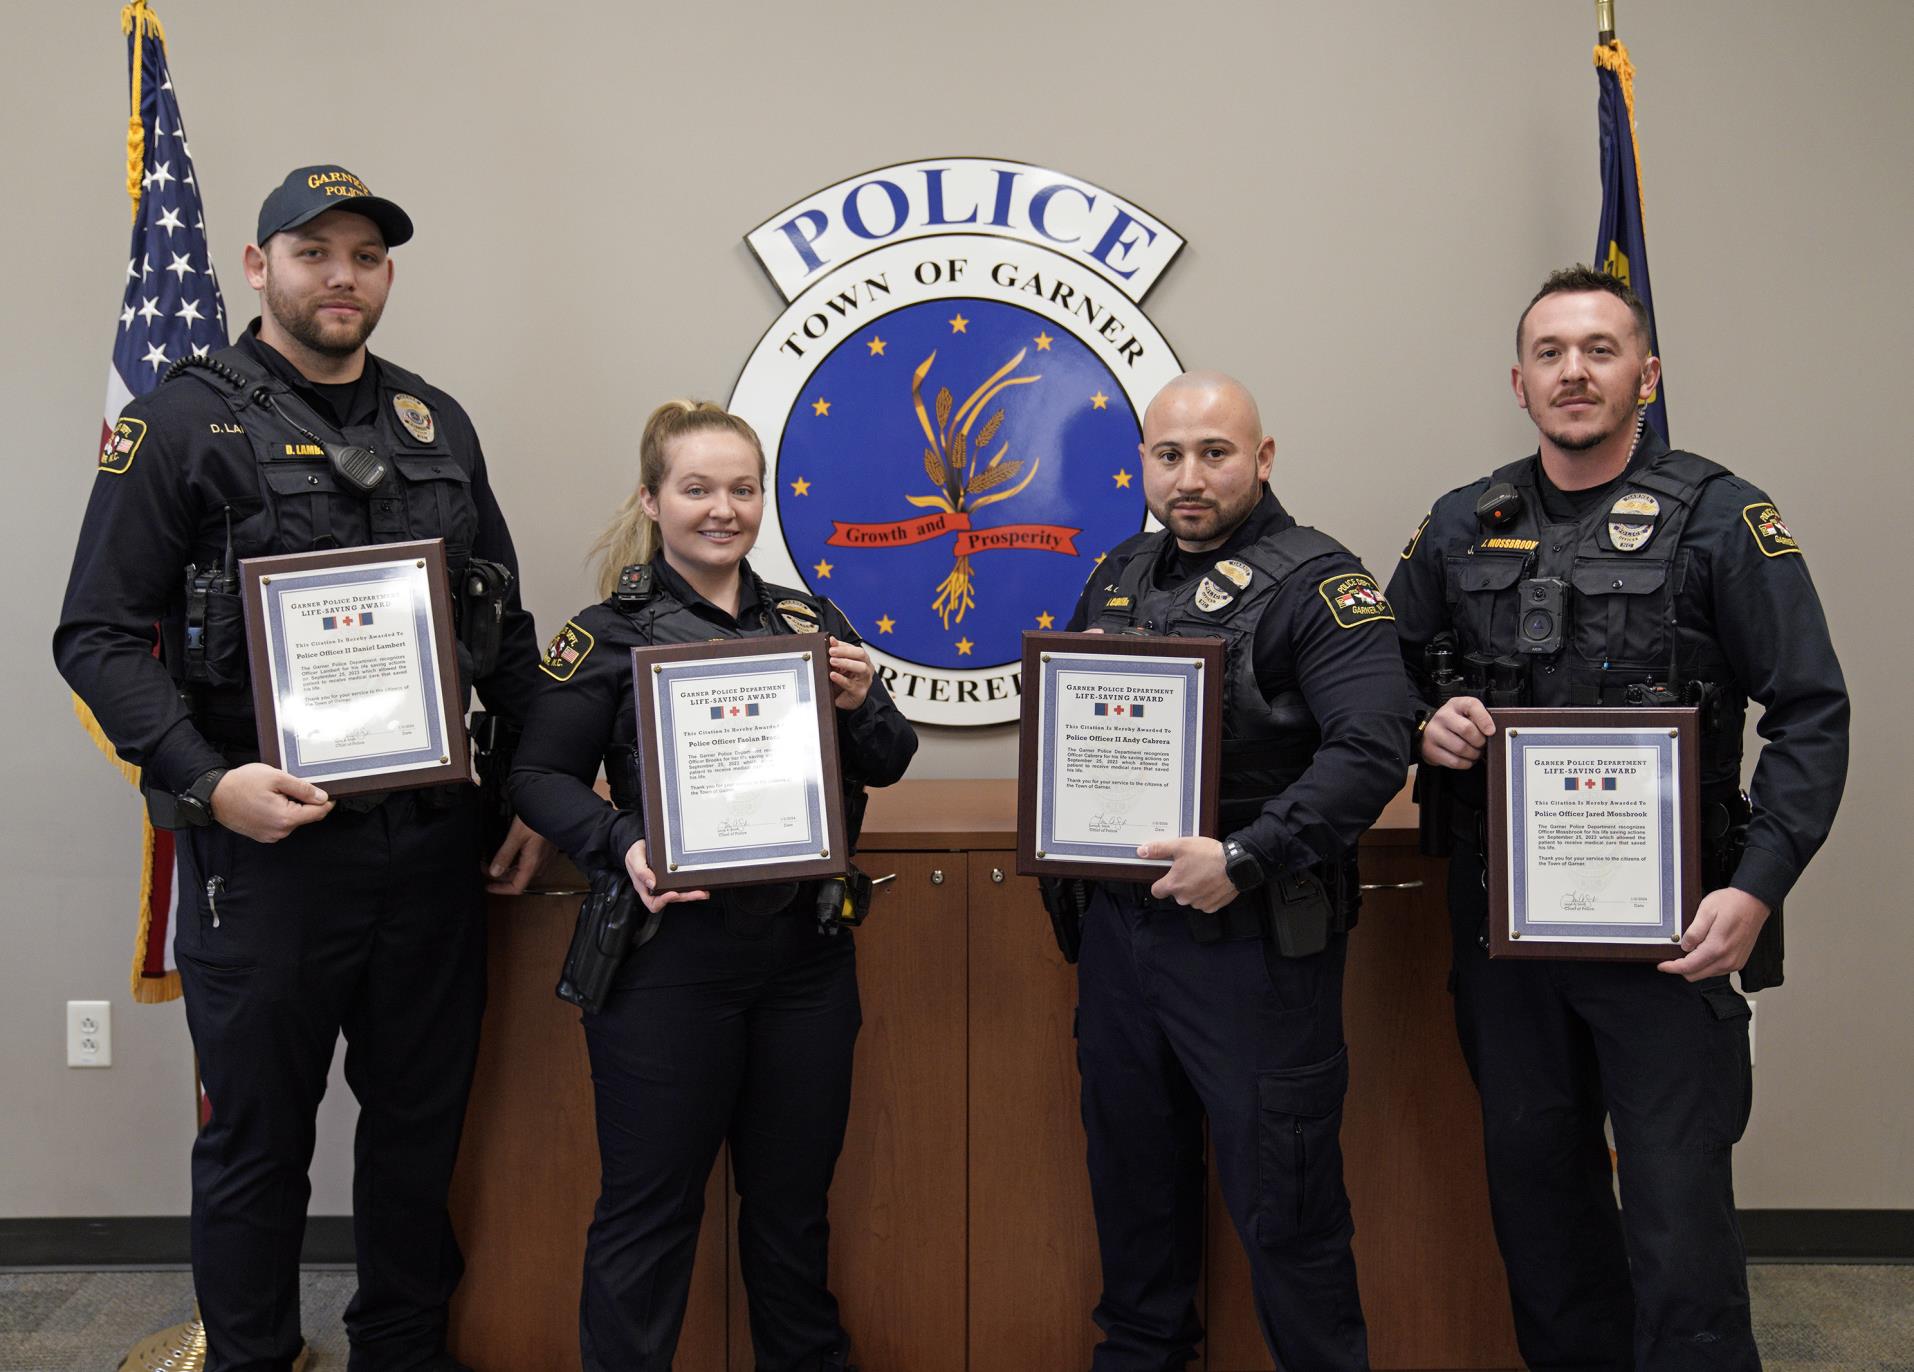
{"x":1347,"y":671}
{"x":1746,"y":619}
{"x":165,"y":503}
{"x":588,"y":716}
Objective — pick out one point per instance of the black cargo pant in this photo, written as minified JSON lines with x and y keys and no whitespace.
{"x":1555,"y":1047}
{"x":370,"y":923}
{"x":1168,"y":1031}
{"x":757,"y":1050}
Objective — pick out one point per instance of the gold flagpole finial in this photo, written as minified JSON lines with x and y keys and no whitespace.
{"x":1604,"y":21}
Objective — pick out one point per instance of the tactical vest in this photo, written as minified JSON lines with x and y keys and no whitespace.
{"x":1268,"y":741}
{"x":426,"y":493}
{"x":304,"y":506}
{"x":1623,"y":569}
{"x":661,"y":618}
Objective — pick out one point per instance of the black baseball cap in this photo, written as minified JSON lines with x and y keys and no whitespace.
{"x":310,"y":191}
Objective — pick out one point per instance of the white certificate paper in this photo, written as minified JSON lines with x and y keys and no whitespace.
{"x":353,"y":673}
{"x":1120,"y":756}
{"x":1595,"y":824}
{"x":738,"y":745}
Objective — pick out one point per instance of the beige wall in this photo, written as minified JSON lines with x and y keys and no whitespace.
{"x":1369,"y":190}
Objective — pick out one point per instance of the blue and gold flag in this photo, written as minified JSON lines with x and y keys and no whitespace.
{"x":1621,"y":250}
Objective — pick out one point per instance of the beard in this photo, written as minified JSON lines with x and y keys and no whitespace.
{"x":1214,"y":522}
{"x":302,"y":321}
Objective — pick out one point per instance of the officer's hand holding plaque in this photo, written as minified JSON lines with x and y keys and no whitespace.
{"x":1118,"y":747}
{"x":1593,"y":851}
{"x":355,"y":673}
{"x":738,"y":756}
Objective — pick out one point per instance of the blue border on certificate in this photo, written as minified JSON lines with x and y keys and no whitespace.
{"x":1189,"y":672}
{"x":286,"y":583}
{"x":1663,"y":745}
{"x":806,"y":846}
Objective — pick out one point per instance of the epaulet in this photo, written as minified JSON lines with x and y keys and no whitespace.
{"x":1678,"y":474}
{"x":1522,"y":467}
{"x":634,"y":586}
{"x":216,"y":370}
{"x":393,"y":375}
{"x":1278,"y":555}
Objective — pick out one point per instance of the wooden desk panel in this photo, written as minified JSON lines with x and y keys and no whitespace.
{"x":962,"y":1235}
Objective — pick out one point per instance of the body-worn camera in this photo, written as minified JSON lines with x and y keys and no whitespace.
{"x":1544,"y":613}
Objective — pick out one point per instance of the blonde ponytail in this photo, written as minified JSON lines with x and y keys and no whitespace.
{"x":632,"y":535}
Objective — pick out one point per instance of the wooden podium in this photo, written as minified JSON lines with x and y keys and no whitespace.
{"x":961,"y":1234}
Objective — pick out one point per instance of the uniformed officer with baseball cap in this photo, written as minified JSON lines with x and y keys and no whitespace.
{"x":301,"y":916}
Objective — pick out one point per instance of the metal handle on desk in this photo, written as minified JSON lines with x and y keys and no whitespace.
{"x":555,"y":891}
{"x":1390,"y":886}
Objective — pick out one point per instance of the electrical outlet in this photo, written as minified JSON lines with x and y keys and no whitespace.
{"x":89,"y":1033}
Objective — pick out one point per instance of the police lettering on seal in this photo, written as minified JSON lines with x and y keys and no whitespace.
{"x":570,"y":646}
{"x":951,"y":410}
{"x":1631,"y":521}
{"x":116,"y":454}
{"x":1355,"y":600}
{"x":1770,"y":532}
{"x":416,"y":416}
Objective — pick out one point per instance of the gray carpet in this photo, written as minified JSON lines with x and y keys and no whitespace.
{"x":1808,"y":1319}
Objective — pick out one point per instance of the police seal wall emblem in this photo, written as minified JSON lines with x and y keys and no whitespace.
{"x":951,"y":409}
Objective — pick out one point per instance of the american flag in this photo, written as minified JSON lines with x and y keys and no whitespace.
{"x":171,"y":310}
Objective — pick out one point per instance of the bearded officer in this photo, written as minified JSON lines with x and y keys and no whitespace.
{"x":1217,"y":991}
{"x":1679,"y":583}
{"x":301,"y":916}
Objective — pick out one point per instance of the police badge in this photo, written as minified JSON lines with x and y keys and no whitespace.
{"x":1631,"y":521}
{"x":416,"y":417}
{"x":1210,"y":597}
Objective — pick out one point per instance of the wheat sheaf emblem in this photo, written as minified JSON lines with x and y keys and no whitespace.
{"x":954,"y":462}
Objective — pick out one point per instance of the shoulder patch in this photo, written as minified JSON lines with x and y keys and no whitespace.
{"x":1409,"y":548}
{"x":416,"y":416}
{"x":570,"y":646}
{"x":1764,"y":522}
{"x":1355,"y":600}
{"x":116,"y":454}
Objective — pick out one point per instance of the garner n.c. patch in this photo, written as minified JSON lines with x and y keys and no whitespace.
{"x":1770,"y":532}
{"x":1355,"y":600}
{"x":116,"y":454}
{"x":570,"y":646}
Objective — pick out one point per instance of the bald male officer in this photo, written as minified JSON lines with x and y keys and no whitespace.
{"x":1217,"y":991}
{"x":301,"y":916}
{"x":1679,"y":583}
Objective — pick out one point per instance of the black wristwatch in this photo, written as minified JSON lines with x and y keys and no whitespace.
{"x":196,"y":801}
{"x":1240,"y":865}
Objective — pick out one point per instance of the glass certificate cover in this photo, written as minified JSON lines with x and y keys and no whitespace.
{"x":1119,"y":748}
{"x":355,"y":679}
{"x":1592,"y":841}
{"x":740,"y":761}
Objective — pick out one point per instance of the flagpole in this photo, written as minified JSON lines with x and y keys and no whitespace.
{"x":1604,"y":21}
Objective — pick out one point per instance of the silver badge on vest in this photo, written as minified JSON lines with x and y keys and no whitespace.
{"x":1210,"y":597}
{"x":1631,"y":521}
